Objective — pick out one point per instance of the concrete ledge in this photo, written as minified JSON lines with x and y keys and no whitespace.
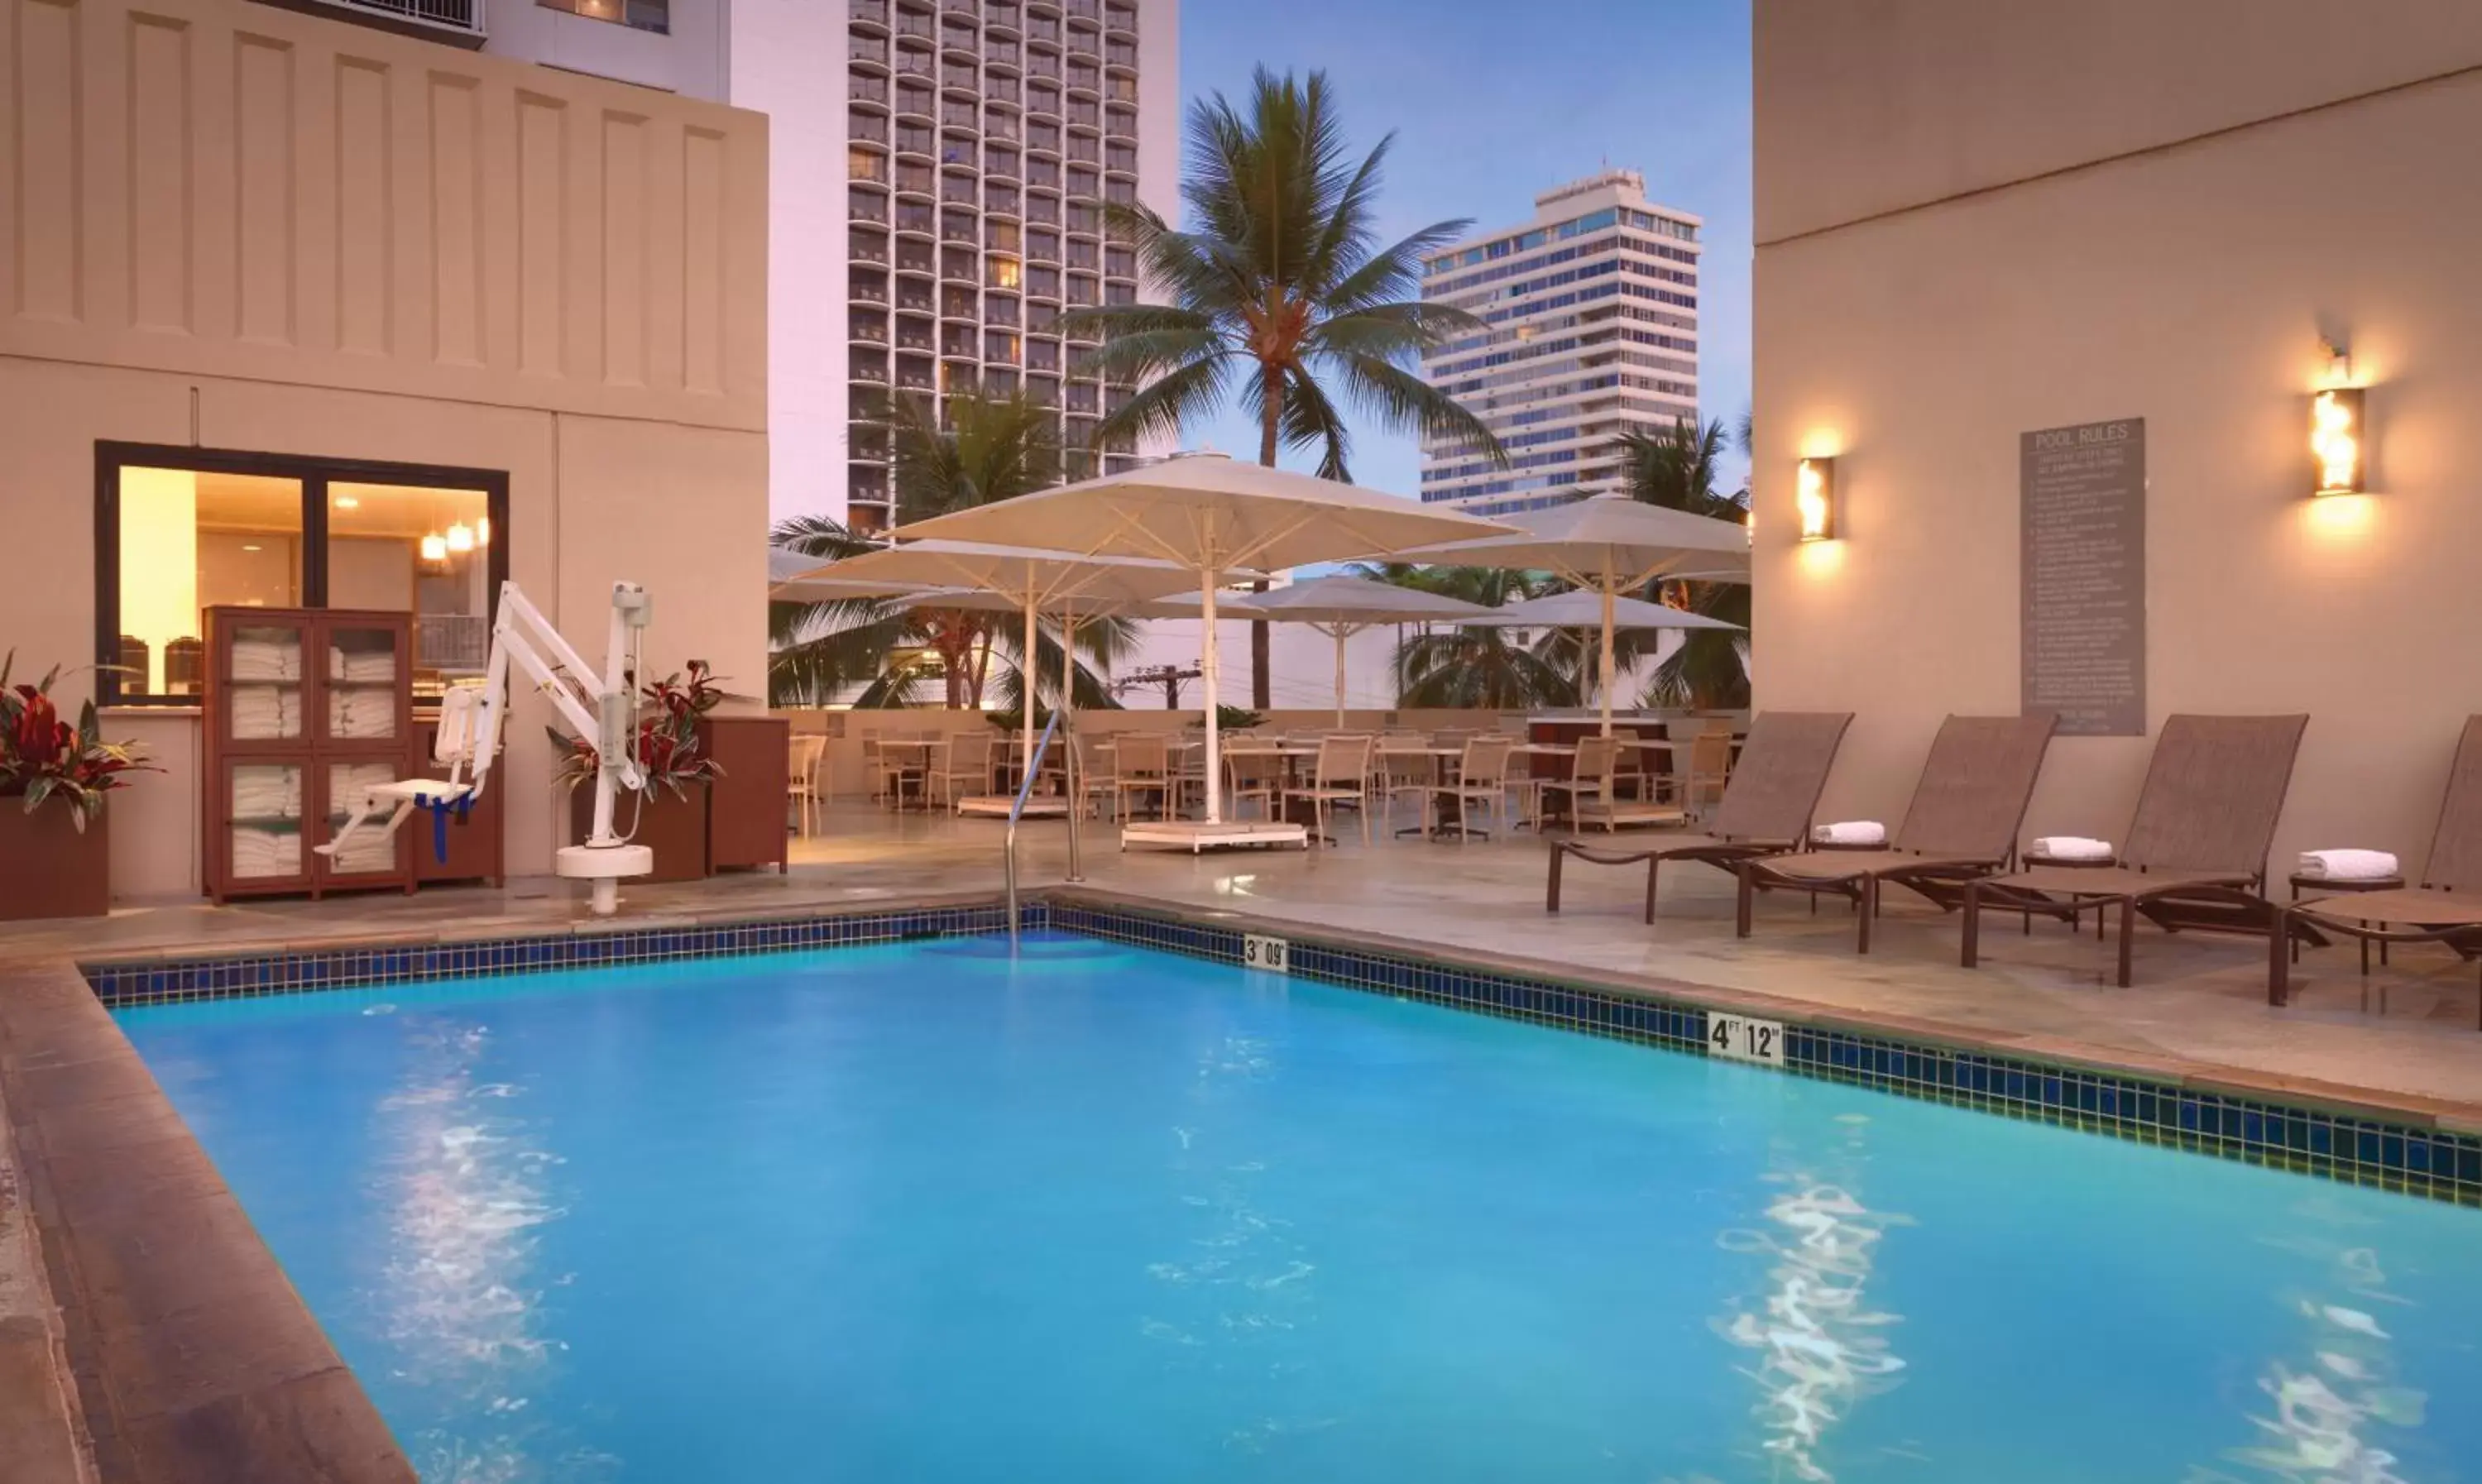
{"x":193,"y":1360}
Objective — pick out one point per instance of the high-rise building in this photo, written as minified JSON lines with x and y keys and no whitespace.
{"x":1592,"y":316}
{"x":937,"y":171}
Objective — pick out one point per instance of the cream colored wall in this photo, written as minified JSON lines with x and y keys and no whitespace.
{"x":229,"y":224}
{"x":2187,"y":285}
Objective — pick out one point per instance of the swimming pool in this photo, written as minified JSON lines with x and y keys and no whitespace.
{"x":919,"y":1212}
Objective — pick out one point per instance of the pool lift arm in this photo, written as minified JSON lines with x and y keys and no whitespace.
{"x":602,"y":710}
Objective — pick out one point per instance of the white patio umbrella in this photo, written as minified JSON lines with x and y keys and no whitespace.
{"x":1343,"y":606}
{"x":1031,"y":578}
{"x":1215,"y":518}
{"x":1607,"y":546}
{"x":1584,"y":611}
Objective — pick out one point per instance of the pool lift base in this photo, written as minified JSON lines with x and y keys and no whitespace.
{"x":1198,"y":834}
{"x":604,"y":866}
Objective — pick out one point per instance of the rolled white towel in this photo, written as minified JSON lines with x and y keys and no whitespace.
{"x":1851,"y":832}
{"x":2073,"y":847}
{"x":2348,"y":865}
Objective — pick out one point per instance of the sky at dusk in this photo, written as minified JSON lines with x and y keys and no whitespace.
{"x":1492,"y":101}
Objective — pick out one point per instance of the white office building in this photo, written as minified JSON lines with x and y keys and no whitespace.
{"x":937,"y":171}
{"x":1592,"y":316}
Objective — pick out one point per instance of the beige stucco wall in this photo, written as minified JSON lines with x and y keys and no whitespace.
{"x":2103,"y":262}
{"x":232,"y":225}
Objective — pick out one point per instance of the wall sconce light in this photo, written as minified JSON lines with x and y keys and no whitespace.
{"x":2336,"y":440}
{"x":434,"y":548}
{"x":1814,"y":499}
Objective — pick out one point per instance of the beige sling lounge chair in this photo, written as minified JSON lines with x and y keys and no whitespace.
{"x":1962,"y":823}
{"x":2196,"y":856}
{"x":2446,"y":908}
{"x":1767,"y":807}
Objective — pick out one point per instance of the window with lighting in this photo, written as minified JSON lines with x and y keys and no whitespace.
{"x":637,"y":15}
{"x":181,"y":530}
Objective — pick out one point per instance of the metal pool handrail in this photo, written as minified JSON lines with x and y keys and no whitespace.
{"x":1017,"y":811}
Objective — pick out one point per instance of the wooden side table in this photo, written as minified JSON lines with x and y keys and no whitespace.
{"x":2328,"y":885}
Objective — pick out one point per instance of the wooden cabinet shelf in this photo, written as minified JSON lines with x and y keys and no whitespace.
{"x":301,"y":709}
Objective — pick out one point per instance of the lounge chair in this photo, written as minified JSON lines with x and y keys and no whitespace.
{"x":1767,"y":807}
{"x":2446,"y":908}
{"x":1962,"y":823}
{"x":2196,"y":853}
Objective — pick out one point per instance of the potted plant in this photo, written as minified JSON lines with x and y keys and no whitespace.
{"x":51,"y":864}
{"x":669,"y":812}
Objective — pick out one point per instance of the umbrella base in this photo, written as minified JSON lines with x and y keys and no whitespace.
{"x":1196,"y":835}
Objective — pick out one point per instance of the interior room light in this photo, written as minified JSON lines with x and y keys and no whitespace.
{"x":1814,"y":499}
{"x":435,"y":547}
{"x":348,"y":502}
{"x":2336,"y":438}
{"x":461,"y":536}
{"x":482,"y":530}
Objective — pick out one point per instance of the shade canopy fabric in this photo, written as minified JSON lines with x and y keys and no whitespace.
{"x":1214,"y":517}
{"x":1579,"y":608}
{"x":789,"y":580}
{"x":1210,"y":511}
{"x":1609,"y":541}
{"x":1340,"y":607}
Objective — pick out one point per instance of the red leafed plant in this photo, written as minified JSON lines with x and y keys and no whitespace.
{"x":43,"y":756}
{"x":668,"y":749}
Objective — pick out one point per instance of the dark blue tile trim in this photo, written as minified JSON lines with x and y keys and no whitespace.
{"x":2417,"y":1162}
{"x":2402,"y":1158}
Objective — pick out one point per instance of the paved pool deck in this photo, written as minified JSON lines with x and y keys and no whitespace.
{"x":2199,"y":1007}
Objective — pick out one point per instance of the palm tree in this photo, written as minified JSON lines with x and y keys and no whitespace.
{"x":1462,"y":668}
{"x":1677,"y":467}
{"x":1279,"y":296}
{"x":991,"y":448}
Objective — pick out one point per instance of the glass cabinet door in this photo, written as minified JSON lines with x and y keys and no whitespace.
{"x":263,"y":668}
{"x":363,"y":683}
{"x":264,"y":840}
{"x":372,"y":851}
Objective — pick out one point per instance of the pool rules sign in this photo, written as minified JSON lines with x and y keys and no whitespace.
{"x":2081,"y":494}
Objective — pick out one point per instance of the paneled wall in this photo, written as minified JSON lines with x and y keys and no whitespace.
{"x":223,"y":188}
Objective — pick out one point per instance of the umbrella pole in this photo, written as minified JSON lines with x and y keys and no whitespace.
{"x":1068,"y":729}
{"x":1339,"y":631}
{"x":1026,"y":672}
{"x":1607,"y":655}
{"x":1206,"y":678}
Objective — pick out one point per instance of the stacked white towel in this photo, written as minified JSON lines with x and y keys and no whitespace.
{"x":2073,"y":847}
{"x":361,"y":714}
{"x":361,"y":667}
{"x":369,"y":850}
{"x":266,"y":711}
{"x":1851,"y":832}
{"x":259,"y":851}
{"x":2348,"y":865}
{"x":265,"y":659}
{"x":266,"y":793}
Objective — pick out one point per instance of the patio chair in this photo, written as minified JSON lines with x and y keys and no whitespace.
{"x":2446,"y":908}
{"x":1481,"y":782}
{"x":1590,"y":775}
{"x":1099,"y":781}
{"x":1143,"y":766}
{"x":1710,"y":768}
{"x":1406,"y":766}
{"x":2196,"y":852}
{"x":802,"y":779}
{"x":1253,"y":772}
{"x":961,"y":769}
{"x":1962,"y":823}
{"x":1766,"y":810}
{"x":1340,"y":776}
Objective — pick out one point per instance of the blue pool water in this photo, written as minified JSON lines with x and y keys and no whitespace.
{"x":917,"y":1214}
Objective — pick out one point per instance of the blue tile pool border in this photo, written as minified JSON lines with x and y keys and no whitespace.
{"x":2433,"y":1163}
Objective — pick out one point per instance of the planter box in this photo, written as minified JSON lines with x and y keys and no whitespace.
{"x":673,"y":828}
{"x":47,"y":867}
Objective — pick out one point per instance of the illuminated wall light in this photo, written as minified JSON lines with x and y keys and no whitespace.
{"x":2336,"y":440}
{"x":434,"y":548}
{"x":482,"y":530}
{"x":1814,"y":499}
{"x":461,"y":536}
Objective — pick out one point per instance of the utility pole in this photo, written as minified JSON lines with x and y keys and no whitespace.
{"x":1169,"y":677}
